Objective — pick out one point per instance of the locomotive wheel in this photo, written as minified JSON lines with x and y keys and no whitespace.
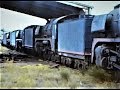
{"x":18,"y":47}
{"x":57,"y":59}
{"x":52,"y":57}
{"x":64,"y":61}
{"x":68,"y":62}
{"x":102,"y":57}
{"x":38,"y":49}
{"x":45,"y":55}
{"x":104,"y":62}
{"x":49,"y":55}
{"x":61,"y":60}
{"x":75,"y":64}
{"x":78,"y":65}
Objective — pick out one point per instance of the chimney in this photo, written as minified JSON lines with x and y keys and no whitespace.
{"x":117,"y":6}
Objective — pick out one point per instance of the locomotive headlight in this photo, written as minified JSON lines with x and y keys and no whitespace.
{"x":45,"y":42}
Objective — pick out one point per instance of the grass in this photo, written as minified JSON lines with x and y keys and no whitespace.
{"x":3,"y":49}
{"x":99,"y":74}
{"x":65,"y":75}
{"x":20,"y":75}
{"x":32,"y":76}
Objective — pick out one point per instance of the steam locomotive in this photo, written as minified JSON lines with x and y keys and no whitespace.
{"x":75,"y":40}
{"x":13,"y":39}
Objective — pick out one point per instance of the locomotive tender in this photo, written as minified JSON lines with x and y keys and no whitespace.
{"x":16,"y":39}
{"x":13,"y":39}
{"x":78,"y":40}
{"x":6,"y":39}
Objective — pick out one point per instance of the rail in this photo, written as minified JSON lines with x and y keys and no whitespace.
{"x":116,"y":66}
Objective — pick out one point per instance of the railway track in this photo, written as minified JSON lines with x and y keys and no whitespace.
{"x":19,"y":57}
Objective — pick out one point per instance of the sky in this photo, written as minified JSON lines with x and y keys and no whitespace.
{"x":11,"y":20}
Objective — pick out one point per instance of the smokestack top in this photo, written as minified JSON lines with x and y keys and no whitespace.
{"x":117,"y":6}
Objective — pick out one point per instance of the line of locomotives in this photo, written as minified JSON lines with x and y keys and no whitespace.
{"x":76,"y":40}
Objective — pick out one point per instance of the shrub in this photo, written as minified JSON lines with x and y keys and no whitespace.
{"x":65,"y":75}
{"x":99,"y":74}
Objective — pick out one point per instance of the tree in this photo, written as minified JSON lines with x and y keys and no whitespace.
{"x":3,"y":30}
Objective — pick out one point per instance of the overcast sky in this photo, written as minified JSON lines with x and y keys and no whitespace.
{"x":11,"y":20}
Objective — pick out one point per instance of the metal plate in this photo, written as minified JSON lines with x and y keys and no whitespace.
{"x":98,"y":23}
{"x":29,"y":37}
{"x":71,"y":37}
{"x":5,"y":39}
{"x":13,"y":39}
